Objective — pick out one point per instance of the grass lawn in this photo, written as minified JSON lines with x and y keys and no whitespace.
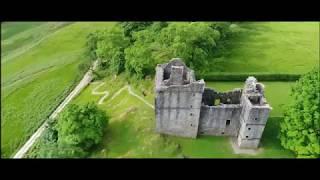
{"x":275,"y":47}
{"x":131,"y":129}
{"x":35,"y":82}
{"x":220,"y":147}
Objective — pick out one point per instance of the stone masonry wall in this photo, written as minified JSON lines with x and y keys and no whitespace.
{"x":184,"y":107}
{"x":220,"y":120}
{"x":177,"y":103}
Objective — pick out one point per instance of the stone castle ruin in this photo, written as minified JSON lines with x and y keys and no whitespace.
{"x":185,"y":107}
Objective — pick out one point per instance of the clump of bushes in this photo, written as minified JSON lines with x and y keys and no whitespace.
{"x":77,"y":130}
{"x":136,"y":47}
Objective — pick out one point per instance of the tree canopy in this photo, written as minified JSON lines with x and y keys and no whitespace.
{"x":300,"y":129}
{"x":136,"y":47}
{"x":81,"y":126}
{"x":74,"y":133}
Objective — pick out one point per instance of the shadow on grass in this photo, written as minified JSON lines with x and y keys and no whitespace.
{"x":228,"y":48}
{"x":270,"y":139}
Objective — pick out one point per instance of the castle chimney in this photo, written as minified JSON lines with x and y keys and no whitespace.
{"x":176,"y":76}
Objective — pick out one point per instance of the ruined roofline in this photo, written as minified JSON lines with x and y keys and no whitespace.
{"x":222,"y":106}
{"x":254,"y":92}
{"x":175,"y":74}
{"x":231,"y":97}
{"x":229,"y":91}
{"x":256,"y":106}
{"x":185,"y":107}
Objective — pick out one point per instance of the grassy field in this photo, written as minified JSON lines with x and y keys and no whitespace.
{"x":276,"y":47}
{"x":36,"y":81}
{"x":18,"y":38}
{"x":39,"y":66}
{"x":131,"y":129}
{"x":10,"y":29}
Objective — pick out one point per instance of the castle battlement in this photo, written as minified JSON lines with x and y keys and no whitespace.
{"x":185,"y":107}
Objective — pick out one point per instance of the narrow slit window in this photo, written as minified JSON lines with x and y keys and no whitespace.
{"x":228,"y":122}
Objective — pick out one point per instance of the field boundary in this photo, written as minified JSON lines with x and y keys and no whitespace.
{"x":81,"y":85}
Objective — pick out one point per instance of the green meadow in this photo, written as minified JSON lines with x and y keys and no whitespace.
{"x":11,"y":28}
{"x":131,"y":128}
{"x":274,"y":47}
{"x":39,"y":67}
{"x":34,"y":82}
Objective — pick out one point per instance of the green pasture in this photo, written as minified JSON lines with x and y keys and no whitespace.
{"x":273,"y":47}
{"x":131,"y":129}
{"x":35,"y":82}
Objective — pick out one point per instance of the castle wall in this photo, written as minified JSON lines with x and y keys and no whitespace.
{"x":178,"y":100}
{"x":184,"y":107}
{"x":253,"y":119}
{"x":178,"y":109}
{"x":220,"y":120}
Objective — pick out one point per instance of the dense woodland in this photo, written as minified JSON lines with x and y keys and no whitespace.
{"x":137,"y":47}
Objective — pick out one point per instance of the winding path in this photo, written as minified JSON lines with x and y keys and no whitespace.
{"x":82,"y":84}
{"x":95,"y":92}
{"x":128,"y":87}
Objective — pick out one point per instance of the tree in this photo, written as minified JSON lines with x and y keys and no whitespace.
{"x":136,"y":47}
{"x":81,"y":126}
{"x":130,"y":27}
{"x":222,"y":27}
{"x":142,"y":56}
{"x":193,"y":42}
{"x":300,"y":129}
{"x":91,"y":45}
{"x":110,"y":48}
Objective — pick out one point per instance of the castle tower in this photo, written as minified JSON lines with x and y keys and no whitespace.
{"x":178,"y":99}
{"x":254,"y":114}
